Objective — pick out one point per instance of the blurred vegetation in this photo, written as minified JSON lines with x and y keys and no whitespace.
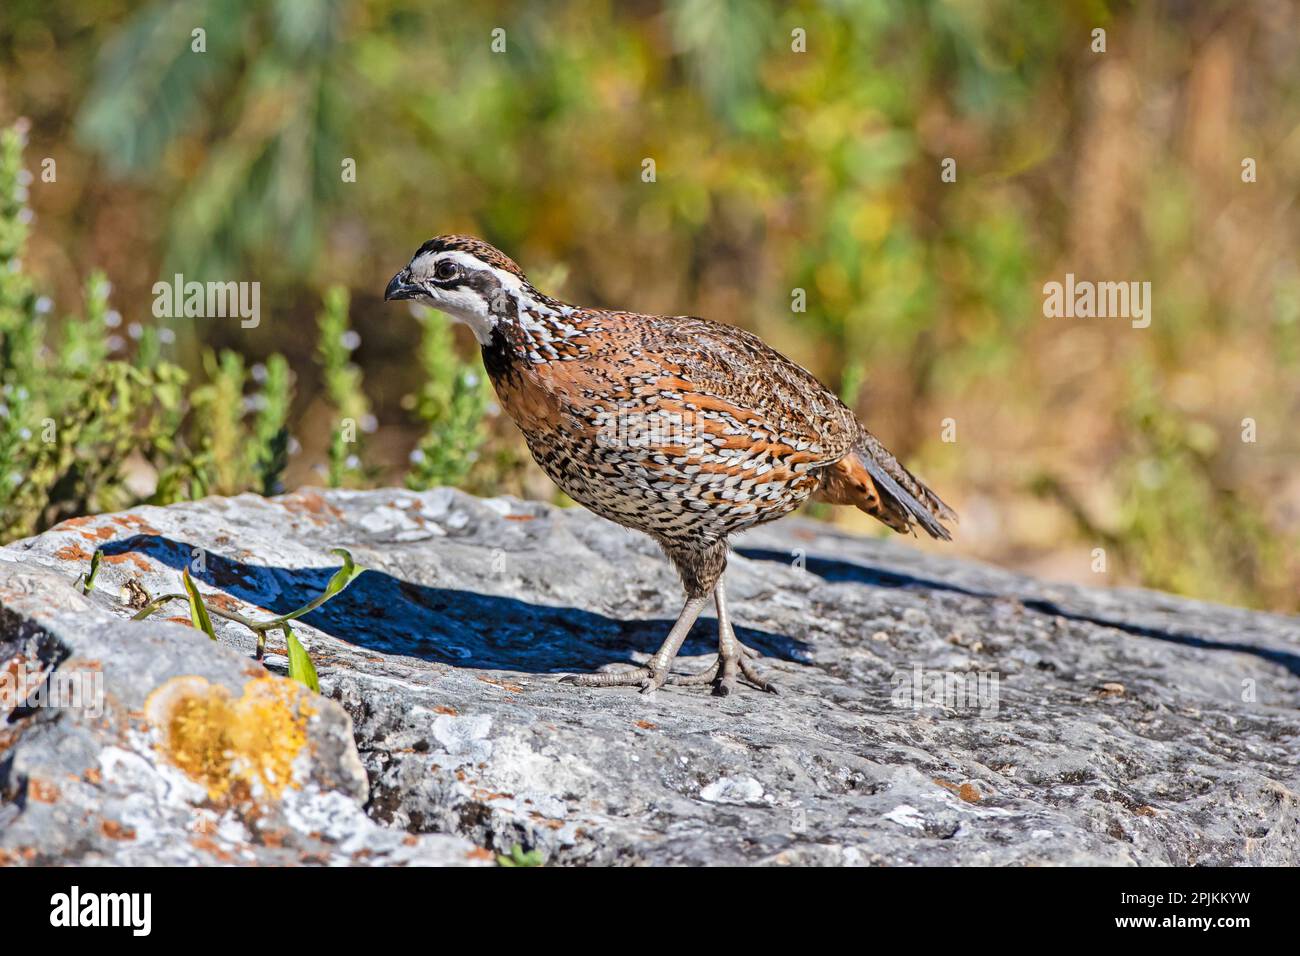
{"x":81,"y":432}
{"x":776,"y":171}
{"x":452,"y":406}
{"x":342,"y":379}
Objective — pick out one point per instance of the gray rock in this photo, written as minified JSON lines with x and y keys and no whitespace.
{"x":933,"y":711}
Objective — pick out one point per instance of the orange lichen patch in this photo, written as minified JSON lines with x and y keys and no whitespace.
{"x":233,"y":747}
{"x":308,"y":502}
{"x":520,"y":517}
{"x":507,"y":685}
{"x":140,"y":563}
{"x":444,"y":709}
{"x":480,"y":853}
{"x":42,"y":791}
{"x":211,"y":847}
{"x":136,"y":522}
{"x":98,"y":534}
{"x":73,"y":552}
{"x":646,"y":725}
{"x":92,"y":775}
{"x":180,"y":620}
{"x":73,"y":523}
{"x":116,"y":831}
{"x":273,"y":838}
{"x":967,"y":791}
{"x":223,"y":601}
{"x":18,"y":681}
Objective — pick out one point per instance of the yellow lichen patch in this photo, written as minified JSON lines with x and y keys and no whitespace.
{"x":233,"y":747}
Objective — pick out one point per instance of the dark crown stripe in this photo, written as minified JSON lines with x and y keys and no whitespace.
{"x":475,"y":247}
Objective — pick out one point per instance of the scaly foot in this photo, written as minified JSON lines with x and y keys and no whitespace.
{"x":647,"y":679}
{"x":725,"y":670}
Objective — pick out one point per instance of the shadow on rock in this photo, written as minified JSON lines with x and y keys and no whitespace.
{"x":831,"y":569}
{"x":834,"y":569}
{"x":462,"y":628}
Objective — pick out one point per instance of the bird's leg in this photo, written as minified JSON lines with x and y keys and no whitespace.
{"x":653,"y":675}
{"x":733,"y":658}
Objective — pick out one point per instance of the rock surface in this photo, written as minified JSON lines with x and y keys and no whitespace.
{"x":932,"y":711}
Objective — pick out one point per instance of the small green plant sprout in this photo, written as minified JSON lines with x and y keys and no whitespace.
{"x":301,"y":668}
{"x":88,"y":579}
{"x":198,"y":610}
{"x":300,"y":665}
{"x":518,"y":857}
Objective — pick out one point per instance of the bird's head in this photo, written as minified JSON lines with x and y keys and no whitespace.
{"x":465,"y":277}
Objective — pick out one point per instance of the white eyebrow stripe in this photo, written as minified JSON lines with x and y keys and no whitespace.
{"x":517,"y":288}
{"x":508,"y":280}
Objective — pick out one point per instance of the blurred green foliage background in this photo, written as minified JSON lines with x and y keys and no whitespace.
{"x":775,"y":170}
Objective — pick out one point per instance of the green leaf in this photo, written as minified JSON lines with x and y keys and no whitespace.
{"x":341,"y":579}
{"x":518,"y":857}
{"x":344,"y":575}
{"x":301,"y":668}
{"x":198,"y":610}
{"x":88,"y":580}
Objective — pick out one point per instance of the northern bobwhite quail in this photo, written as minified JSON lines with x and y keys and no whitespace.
{"x":686,"y":429}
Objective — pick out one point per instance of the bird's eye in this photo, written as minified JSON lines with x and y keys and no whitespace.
{"x":445,"y":270}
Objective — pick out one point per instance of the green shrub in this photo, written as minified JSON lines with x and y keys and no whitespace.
{"x":343,"y":387}
{"x":77,"y":424}
{"x":82,"y":431}
{"x":451,"y":406}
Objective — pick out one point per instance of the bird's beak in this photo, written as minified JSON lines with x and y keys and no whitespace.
{"x":401,"y":288}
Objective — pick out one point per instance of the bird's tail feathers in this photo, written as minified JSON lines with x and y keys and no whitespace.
{"x":872,"y":480}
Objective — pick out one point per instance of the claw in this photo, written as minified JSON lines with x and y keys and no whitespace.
{"x":735,"y":661}
{"x":755,"y":677}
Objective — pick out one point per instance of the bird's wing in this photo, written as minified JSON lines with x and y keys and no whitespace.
{"x":730,"y":365}
{"x":854,"y":468}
